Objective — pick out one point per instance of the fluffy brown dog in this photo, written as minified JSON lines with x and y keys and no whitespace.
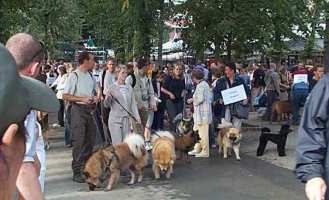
{"x":229,"y":138}
{"x":163,"y":153}
{"x":130,"y":155}
{"x":185,"y":143}
{"x":281,"y":110}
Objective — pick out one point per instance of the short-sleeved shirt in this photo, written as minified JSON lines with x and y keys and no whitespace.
{"x":80,"y":84}
{"x":175,"y":86}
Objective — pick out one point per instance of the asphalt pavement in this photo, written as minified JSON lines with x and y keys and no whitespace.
{"x":205,"y":178}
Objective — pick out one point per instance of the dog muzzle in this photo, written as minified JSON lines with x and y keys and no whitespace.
{"x":91,"y":187}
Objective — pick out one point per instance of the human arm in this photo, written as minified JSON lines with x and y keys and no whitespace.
{"x":312,"y":144}
{"x":69,"y":91}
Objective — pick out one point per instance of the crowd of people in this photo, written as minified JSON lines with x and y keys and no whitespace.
{"x":102,"y":103}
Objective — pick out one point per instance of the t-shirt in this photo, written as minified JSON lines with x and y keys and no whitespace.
{"x":80,"y":84}
{"x":97,"y":74}
{"x":175,"y":86}
{"x":51,"y":78}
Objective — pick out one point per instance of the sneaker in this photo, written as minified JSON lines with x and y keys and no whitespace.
{"x":47,"y":145}
{"x":78,"y":179}
{"x":148,"y":145}
{"x":202,"y":155}
{"x":192,"y":153}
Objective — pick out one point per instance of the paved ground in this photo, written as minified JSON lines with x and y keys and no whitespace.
{"x":213,"y":178}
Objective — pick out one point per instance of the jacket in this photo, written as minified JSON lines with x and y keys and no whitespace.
{"x":202,"y":104}
{"x":117,"y":113}
{"x":312,"y":159}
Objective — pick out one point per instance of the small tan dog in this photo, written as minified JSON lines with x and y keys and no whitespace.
{"x":129,"y":155}
{"x":228,"y":139}
{"x":281,"y":110}
{"x":163,"y":153}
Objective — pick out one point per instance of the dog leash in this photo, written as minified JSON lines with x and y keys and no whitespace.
{"x":129,"y":113}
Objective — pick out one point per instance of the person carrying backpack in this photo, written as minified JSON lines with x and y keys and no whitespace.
{"x":299,"y":91}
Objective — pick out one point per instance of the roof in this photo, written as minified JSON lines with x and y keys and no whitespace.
{"x":298,"y":45}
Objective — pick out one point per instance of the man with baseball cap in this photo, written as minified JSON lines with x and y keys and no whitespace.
{"x":22,"y":99}
{"x":18,"y":96}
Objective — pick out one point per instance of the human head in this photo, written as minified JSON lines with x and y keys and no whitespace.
{"x":86,"y":60}
{"x":319,"y":72}
{"x":110,"y":64}
{"x":197,"y":75}
{"x":121,"y":71}
{"x":230,"y":69}
{"x":301,"y":66}
{"x":141,"y":65}
{"x":61,"y":70}
{"x":178,"y":70}
{"x":28,"y":53}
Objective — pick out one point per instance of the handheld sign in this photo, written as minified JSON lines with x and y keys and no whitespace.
{"x":300,"y":78}
{"x":234,"y":94}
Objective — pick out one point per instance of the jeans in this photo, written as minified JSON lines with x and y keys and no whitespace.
{"x":271,"y":98}
{"x":173,"y":109}
{"x":60,"y":115}
{"x":298,"y":100}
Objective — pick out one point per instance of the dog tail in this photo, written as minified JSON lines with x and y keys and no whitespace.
{"x":136,"y":144}
{"x":161,"y":134}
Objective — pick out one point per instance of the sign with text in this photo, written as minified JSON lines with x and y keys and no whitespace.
{"x":234,"y":94}
{"x":299,"y":78}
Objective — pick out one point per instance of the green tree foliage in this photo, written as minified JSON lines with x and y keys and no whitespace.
{"x":241,"y":27}
{"x":49,"y":21}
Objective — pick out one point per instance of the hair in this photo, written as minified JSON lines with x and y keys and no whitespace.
{"x":216,"y":72}
{"x":85,"y":55}
{"x":121,"y":67}
{"x":198,"y":74}
{"x":62,"y":69}
{"x":231,"y":65}
{"x":141,"y":62}
{"x":111,"y":59}
{"x":25,"y":49}
{"x":47,"y":67}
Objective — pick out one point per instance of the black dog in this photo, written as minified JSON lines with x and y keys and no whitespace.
{"x":278,"y":139}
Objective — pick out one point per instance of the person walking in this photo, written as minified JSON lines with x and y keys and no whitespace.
{"x":272,"y":89}
{"x":144,"y":94}
{"x":202,"y":114}
{"x":123,"y":108}
{"x":229,"y":116}
{"x":312,"y":143}
{"x":60,"y":85}
{"x":81,"y":92}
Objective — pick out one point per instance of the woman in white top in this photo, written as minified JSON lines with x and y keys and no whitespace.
{"x":60,"y":85}
{"x":120,"y":98}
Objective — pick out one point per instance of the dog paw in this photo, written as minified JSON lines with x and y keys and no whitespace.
{"x":107,"y":189}
{"x":130,"y":183}
{"x":238,"y":159}
{"x":225,"y":157}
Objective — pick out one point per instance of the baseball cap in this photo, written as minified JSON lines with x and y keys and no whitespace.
{"x":20,"y":94}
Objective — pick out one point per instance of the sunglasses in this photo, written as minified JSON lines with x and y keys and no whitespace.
{"x":41,"y":50}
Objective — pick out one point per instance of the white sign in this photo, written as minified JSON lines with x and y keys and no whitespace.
{"x":234,"y":94}
{"x":299,"y":78}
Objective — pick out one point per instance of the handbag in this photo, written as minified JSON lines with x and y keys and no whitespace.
{"x":241,"y":111}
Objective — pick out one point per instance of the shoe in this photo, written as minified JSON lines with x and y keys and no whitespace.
{"x":47,"y":146}
{"x":148,"y":145}
{"x":192,"y":153}
{"x":78,"y":179}
{"x":202,"y":155}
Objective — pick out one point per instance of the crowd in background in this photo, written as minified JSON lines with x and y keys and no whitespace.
{"x":114,"y":99}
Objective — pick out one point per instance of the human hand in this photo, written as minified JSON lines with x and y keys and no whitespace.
{"x":189,"y":101}
{"x":87,"y":100}
{"x":245,"y":102}
{"x":172,"y":96}
{"x":315,"y":189}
